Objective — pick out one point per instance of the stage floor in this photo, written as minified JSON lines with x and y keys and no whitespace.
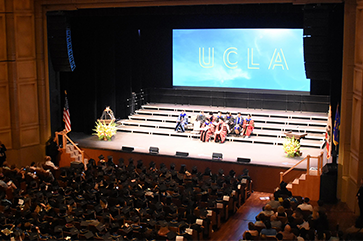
{"x":260,"y":154}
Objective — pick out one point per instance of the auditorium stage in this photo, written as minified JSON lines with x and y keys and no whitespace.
{"x":260,"y":154}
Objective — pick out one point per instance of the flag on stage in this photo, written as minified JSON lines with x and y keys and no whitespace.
{"x":336,"y":127}
{"x":66,"y":115}
{"x":328,"y":135}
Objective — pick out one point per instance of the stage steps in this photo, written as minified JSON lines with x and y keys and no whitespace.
{"x":270,"y":126}
{"x":307,"y":185}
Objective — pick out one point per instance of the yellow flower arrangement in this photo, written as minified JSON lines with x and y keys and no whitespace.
{"x":292,"y":147}
{"x":105,"y":131}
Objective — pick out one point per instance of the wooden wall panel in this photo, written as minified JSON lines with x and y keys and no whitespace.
{"x":21,"y":5}
{"x":356,"y":124}
{"x":25,"y":36}
{"x":353,"y":168}
{"x":29,"y":136}
{"x":2,"y":6}
{"x":358,"y":81}
{"x":4,"y":107}
{"x":28,"y":104}
{"x":3,"y":72}
{"x":3,"y":54}
{"x":26,"y":70}
{"x":5,"y":138}
{"x":359,"y":38}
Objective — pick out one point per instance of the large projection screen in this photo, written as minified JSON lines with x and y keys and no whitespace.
{"x":270,"y":59}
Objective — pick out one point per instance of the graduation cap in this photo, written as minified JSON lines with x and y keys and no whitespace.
{"x":88,"y":235}
{"x":221,"y":172}
{"x":33,"y":236}
{"x":194,"y":170}
{"x":152,"y":164}
{"x":59,"y":229}
{"x":182,"y":168}
{"x":101,"y":157}
{"x":126,"y":210}
{"x":69,"y":219}
{"x":115,"y":226}
{"x":171,"y":235}
{"x":232,"y":173}
{"x":98,"y":209}
{"x":74,"y":232}
{"x":162,"y":187}
{"x":139,"y":164}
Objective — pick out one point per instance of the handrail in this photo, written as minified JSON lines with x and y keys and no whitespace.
{"x":64,"y":137}
{"x":308,"y":157}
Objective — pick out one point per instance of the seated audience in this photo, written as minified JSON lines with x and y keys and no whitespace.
{"x":268,"y":231}
{"x":274,"y":201}
{"x":251,"y":230}
{"x":268,"y":211}
{"x":287,"y":234}
{"x":305,"y":205}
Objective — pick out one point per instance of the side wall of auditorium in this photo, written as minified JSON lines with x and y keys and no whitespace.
{"x":24,"y":88}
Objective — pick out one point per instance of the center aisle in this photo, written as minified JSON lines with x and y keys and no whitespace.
{"x":238,"y":223}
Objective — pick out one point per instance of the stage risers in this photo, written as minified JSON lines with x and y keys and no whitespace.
{"x":270,"y":125}
{"x":306,"y":186}
{"x":265,"y":178}
{"x":70,"y":154}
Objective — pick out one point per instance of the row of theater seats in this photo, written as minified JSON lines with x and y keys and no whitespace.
{"x":118,"y":201}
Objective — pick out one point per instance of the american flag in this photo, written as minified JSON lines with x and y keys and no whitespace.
{"x":66,"y":115}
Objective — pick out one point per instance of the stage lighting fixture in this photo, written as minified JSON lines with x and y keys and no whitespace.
{"x":153,"y":150}
{"x":217,"y":156}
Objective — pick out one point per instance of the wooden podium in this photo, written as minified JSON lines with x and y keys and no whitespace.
{"x":297,"y":136}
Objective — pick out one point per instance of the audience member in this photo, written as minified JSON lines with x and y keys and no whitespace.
{"x":287,"y":234}
{"x":274,"y":201}
{"x":268,"y":230}
{"x":305,"y":205}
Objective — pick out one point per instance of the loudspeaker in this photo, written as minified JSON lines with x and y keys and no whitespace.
{"x":330,"y":169}
{"x":127,"y":149}
{"x":60,"y":41}
{"x":316,"y":42}
{"x":217,"y":156}
{"x":328,"y":188}
{"x":184,"y":154}
{"x":154,"y":150}
{"x":241,"y":159}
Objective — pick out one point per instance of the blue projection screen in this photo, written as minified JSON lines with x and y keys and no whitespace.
{"x":239,"y":58}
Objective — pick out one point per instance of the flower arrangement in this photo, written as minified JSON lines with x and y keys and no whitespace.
{"x":105,"y":131}
{"x":292,"y":147}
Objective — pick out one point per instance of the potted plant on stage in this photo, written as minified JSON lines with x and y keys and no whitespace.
{"x":105,"y":126}
{"x":292,"y":147}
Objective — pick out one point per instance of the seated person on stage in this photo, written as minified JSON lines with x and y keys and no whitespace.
{"x":199,"y":120}
{"x":181,"y":122}
{"x":208,"y":131}
{"x":248,"y":126}
{"x":221,"y":131}
{"x":229,"y":120}
{"x":238,"y":122}
{"x":219,"y":116}
{"x":211,"y":117}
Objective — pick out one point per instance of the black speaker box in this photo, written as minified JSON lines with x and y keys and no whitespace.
{"x":184,"y":154}
{"x":154,"y":150}
{"x":218,"y":156}
{"x":241,"y":159}
{"x":60,"y":41}
{"x":127,"y":149}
